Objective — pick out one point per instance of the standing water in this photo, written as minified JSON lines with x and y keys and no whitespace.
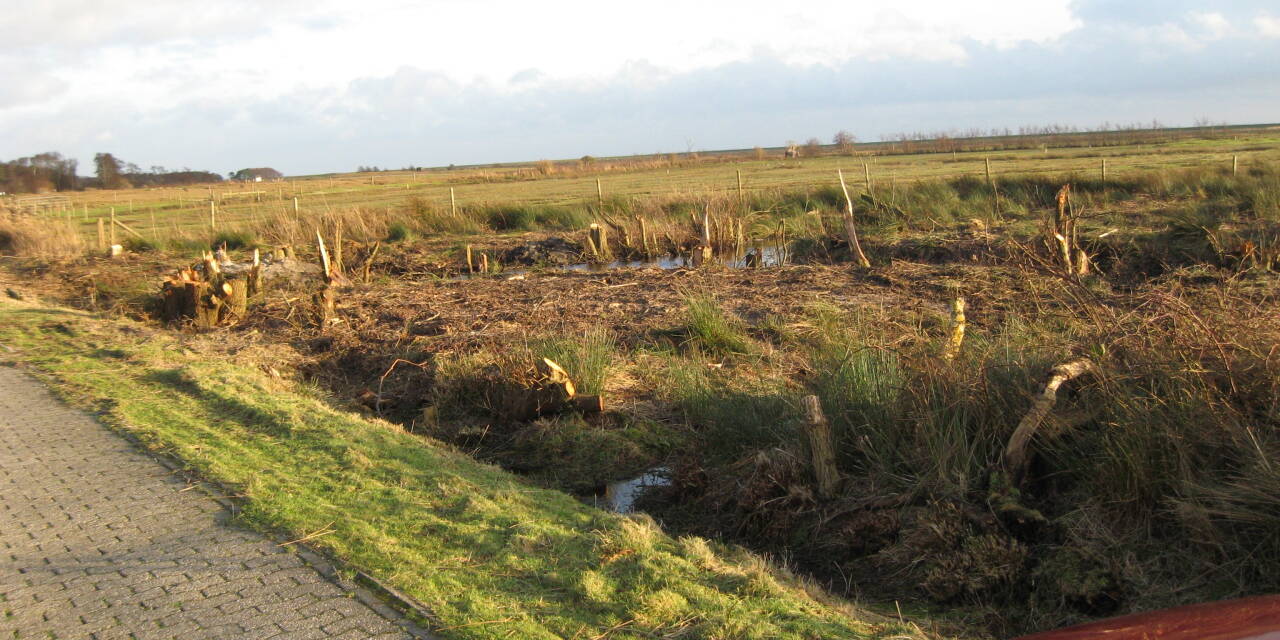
{"x":621,"y":496}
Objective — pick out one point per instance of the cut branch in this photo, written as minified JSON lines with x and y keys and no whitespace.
{"x":1016,"y":455}
{"x":850,"y":228}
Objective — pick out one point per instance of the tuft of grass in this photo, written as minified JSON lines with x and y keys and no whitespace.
{"x":399,"y":232}
{"x":22,"y":235}
{"x":533,"y":217}
{"x":140,"y":245}
{"x":587,"y":357}
{"x":431,"y":218}
{"x":235,"y":239}
{"x":713,"y":330}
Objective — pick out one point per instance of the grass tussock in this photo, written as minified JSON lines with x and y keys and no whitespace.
{"x":713,"y":330}
{"x":29,"y":236}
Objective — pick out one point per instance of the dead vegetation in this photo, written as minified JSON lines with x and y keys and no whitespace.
{"x":30,"y":236}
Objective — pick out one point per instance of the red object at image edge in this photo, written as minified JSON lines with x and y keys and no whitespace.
{"x":1244,"y":619}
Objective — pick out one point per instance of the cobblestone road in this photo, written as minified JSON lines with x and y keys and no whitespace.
{"x":97,"y":540}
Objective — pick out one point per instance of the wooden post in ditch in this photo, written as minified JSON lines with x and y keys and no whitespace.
{"x":453,"y":203}
{"x":995,"y":195}
{"x":599,"y":193}
{"x":1104,"y":171}
{"x":741,"y":196}
{"x":367,"y":269}
{"x":956,"y":340}
{"x":213,"y":214}
{"x":113,"y":226}
{"x":705,"y":252}
{"x":337,"y":248}
{"x":822,"y":450}
{"x":1235,"y":165}
{"x":644,"y":236}
{"x":102,"y":236}
{"x":471,"y":266}
{"x":325,"y":298}
{"x":295,"y":207}
{"x":866,"y":173}
{"x":599,"y":239}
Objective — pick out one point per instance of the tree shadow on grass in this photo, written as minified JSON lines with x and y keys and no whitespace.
{"x":218,"y":404}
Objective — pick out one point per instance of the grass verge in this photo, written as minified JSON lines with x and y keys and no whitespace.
{"x":490,"y":555}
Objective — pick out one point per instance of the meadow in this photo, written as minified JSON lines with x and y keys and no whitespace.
{"x":707,"y":315}
{"x":181,"y":212}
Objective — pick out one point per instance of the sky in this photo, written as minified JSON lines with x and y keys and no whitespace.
{"x":320,"y":85}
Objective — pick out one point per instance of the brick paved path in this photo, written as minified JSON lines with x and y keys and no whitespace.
{"x":97,"y":540}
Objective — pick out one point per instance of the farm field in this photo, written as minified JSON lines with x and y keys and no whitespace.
{"x":161,"y":212}
{"x":938,"y":484}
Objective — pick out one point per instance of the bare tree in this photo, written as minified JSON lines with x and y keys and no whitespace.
{"x":844,"y":141}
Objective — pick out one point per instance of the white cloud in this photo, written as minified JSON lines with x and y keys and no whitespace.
{"x":1215,"y":25}
{"x":327,"y":84}
{"x":1268,"y":26}
{"x":158,"y":51}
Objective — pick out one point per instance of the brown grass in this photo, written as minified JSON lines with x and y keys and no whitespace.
{"x":22,"y":235}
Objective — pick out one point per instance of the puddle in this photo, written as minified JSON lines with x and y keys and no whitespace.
{"x":620,"y":497}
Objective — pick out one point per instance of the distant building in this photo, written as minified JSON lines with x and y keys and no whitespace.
{"x":259,"y":174}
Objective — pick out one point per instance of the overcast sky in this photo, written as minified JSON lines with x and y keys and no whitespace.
{"x":318,"y":85}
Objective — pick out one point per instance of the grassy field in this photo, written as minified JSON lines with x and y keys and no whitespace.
{"x":162,"y":212}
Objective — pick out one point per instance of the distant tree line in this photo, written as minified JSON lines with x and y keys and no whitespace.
{"x":45,"y":172}
{"x":41,"y":172}
{"x":1057,"y":135}
{"x":998,"y":139}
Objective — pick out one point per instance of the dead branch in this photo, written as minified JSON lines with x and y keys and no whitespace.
{"x":1016,"y":456}
{"x":850,"y":228}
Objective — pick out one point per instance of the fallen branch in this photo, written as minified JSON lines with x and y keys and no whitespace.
{"x":1016,"y":455}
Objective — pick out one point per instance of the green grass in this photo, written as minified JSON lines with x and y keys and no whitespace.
{"x":489,"y":555}
{"x":713,"y":330}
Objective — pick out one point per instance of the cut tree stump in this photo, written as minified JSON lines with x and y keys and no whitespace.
{"x":553,"y":393}
{"x":209,"y":297}
{"x":822,"y":449}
